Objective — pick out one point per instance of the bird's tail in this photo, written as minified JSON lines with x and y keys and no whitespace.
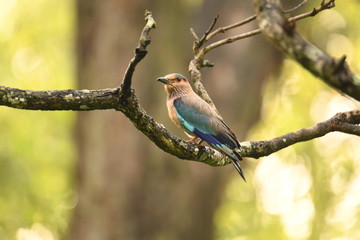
{"x":235,"y":161}
{"x":238,"y":168}
{"x":234,"y":156}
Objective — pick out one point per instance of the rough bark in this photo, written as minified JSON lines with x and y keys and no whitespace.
{"x":118,"y":186}
{"x":85,"y":100}
{"x":121,"y":177}
{"x":282,"y":33}
{"x":127,"y":196}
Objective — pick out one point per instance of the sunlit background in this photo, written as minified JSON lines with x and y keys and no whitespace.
{"x":36,"y":150}
{"x":309,"y":190}
{"x":306,"y":191}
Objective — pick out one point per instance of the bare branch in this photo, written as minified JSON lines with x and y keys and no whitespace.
{"x":346,"y":122}
{"x":192,"y":31}
{"x":324,"y":5}
{"x":230,"y":40}
{"x":85,"y":100}
{"x":229,"y":27}
{"x":140,"y":51}
{"x":205,"y":37}
{"x":127,"y":103}
{"x":312,"y":13}
{"x":282,"y":34}
{"x":295,"y":8}
{"x":200,"y":51}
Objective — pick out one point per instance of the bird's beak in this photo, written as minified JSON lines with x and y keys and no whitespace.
{"x":164,"y":80}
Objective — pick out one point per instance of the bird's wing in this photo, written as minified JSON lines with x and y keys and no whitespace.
{"x":198,"y":117}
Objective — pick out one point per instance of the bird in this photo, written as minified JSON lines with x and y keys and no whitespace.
{"x":199,"y":119}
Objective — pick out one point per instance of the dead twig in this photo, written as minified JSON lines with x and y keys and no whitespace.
{"x":140,"y":51}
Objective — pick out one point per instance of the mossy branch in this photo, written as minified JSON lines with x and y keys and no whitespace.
{"x":86,"y":100}
{"x":126,"y":102}
{"x":281,"y":32}
{"x":200,"y":47}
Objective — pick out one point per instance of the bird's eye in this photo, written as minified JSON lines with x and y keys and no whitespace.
{"x":178,"y":79}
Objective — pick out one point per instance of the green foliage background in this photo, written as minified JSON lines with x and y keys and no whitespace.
{"x":307,"y":191}
{"x":36,"y":150}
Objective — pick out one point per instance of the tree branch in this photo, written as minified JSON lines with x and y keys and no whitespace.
{"x":295,"y":8}
{"x":346,"y":122}
{"x":200,"y":50}
{"x":127,"y":102}
{"x":314,"y":12}
{"x":85,"y":100}
{"x":231,"y":26}
{"x":282,"y":34}
{"x":76,"y":100}
{"x":209,"y":35}
{"x":140,"y":51}
{"x":323,"y":6}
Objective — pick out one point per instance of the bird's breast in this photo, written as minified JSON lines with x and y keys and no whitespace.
{"x":172,"y":112}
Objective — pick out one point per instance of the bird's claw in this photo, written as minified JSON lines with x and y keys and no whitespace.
{"x":193,"y":139}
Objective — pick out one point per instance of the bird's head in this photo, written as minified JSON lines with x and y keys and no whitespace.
{"x":175,"y":84}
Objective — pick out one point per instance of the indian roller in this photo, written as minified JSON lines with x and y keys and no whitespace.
{"x":199,"y":120}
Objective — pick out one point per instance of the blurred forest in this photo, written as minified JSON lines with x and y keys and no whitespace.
{"x":92,"y":175}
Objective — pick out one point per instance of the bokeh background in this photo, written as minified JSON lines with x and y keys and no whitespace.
{"x":92,"y":175}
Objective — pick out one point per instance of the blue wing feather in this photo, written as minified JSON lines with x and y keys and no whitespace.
{"x":198,"y":123}
{"x":207,"y":137}
{"x":192,"y":120}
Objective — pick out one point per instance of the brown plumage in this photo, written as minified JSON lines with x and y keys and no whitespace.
{"x":190,"y":112}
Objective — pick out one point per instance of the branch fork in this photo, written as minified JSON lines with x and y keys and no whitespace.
{"x":200,"y":49}
{"x":124,"y":98}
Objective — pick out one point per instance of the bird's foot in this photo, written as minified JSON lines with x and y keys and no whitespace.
{"x":193,"y":139}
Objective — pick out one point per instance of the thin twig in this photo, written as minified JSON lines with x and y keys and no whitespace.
{"x":295,"y":8}
{"x":199,"y":50}
{"x":229,"y":27}
{"x":192,"y":31}
{"x":346,"y":122}
{"x":205,"y":36}
{"x":140,"y":51}
{"x":209,"y":36}
{"x":231,"y":39}
{"x":324,"y":5}
{"x":315,"y":11}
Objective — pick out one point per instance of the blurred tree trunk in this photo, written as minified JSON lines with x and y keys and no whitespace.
{"x":126,"y":187}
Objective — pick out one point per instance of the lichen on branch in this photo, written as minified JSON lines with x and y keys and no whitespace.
{"x":76,"y":100}
{"x":282,"y":33}
{"x":86,"y":100}
{"x":124,"y":99}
